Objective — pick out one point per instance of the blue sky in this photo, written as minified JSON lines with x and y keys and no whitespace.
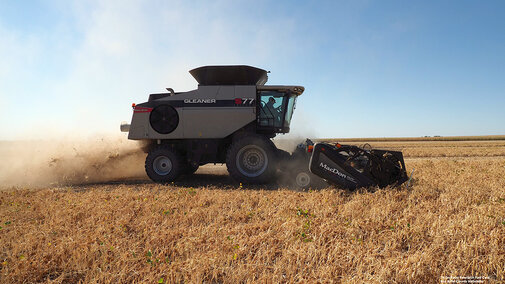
{"x":370,"y":68}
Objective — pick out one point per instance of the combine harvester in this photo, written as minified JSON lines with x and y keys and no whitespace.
{"x":231,"y":118}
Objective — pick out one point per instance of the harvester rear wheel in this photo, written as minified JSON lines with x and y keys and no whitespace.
{"x":252,"y":160}
{"x":163,"y":164}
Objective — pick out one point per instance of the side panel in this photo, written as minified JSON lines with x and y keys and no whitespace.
{"x":140,"y":127}
{"x":223,"y":118}
{"x":209,"y":112}
{"x":215,"y":122}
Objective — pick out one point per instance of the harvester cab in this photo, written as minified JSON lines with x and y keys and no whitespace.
{"x":275,"y":108}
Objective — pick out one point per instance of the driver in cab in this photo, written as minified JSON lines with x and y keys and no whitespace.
{"x":275,"y":112}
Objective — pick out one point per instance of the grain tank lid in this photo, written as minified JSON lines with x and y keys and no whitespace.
{"x":229,"y":75}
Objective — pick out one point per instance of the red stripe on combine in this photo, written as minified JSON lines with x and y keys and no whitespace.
{"x":142,"y":109}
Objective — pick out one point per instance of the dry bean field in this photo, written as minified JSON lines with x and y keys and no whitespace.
{"x":448,"y":226}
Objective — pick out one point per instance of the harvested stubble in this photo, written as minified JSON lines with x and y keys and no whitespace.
{"x":451,"y":222}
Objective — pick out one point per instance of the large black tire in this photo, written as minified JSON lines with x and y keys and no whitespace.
{"x":163,"y":164}
{"x":252,"y":159}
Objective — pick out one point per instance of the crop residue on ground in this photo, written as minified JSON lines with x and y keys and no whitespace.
{"x":449,"y":223}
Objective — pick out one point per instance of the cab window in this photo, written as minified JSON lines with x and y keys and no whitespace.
{"x":271,"y":110}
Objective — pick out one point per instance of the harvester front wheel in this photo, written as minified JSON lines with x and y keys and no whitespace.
{"x":163,"y":164}
{"x":252,"y":160}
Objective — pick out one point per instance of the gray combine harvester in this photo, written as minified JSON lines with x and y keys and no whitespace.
{"x":231,"y":118}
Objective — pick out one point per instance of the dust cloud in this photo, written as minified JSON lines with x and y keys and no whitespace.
{"x":73,"y":161}
{"x":288,"y":144}
{"x":65,"y":161}
{"x":302,"y":128}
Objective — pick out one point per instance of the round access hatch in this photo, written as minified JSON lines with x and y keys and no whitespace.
{"x":164,"y":119}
